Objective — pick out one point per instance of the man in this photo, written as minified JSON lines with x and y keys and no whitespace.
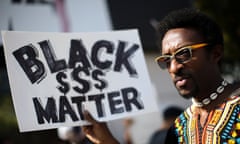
{"x":191,"y":47}
{"x":169,"y":115}
{"x":73,"y":135}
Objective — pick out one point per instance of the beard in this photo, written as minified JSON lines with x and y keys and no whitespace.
{"x":188,"y":93}
{"x":188,"y":87}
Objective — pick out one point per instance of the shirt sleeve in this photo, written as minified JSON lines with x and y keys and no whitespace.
{"x":171,"y":137}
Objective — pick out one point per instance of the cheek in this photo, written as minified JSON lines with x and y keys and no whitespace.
{"x":200,"y":62}
{"x":200,"y":69}
{"x":197,"y":68}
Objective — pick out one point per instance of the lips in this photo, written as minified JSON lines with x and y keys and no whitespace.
{"x":180,"y":81}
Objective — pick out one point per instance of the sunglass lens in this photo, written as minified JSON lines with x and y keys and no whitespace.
{"x":183,"y":55}
{"x":163,"y":61}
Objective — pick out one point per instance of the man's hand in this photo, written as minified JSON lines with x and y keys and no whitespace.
{"x":98,"y":132}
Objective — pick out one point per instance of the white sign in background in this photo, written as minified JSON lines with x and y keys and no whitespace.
{"x":52,"y":80}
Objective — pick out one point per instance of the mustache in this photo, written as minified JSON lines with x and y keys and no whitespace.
{"x":181,"y":75}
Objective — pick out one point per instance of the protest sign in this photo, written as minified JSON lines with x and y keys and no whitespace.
{"x":55,"y":76}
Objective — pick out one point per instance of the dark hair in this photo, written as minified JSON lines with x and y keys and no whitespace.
{"x":191,"y":18}
{"x":172,"y":112}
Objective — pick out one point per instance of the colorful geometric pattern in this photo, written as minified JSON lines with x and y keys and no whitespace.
{"x":221,"y":127}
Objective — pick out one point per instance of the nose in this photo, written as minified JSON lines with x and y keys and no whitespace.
{"x":174,"y":66}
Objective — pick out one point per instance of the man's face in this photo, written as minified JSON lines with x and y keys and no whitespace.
{"x":189,"y":78}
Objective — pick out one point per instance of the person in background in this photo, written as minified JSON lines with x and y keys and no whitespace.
{"x":169,"y":115}
{"x":128,"y":122}
{"x":73,"y":135}
{"x":191,"y":46}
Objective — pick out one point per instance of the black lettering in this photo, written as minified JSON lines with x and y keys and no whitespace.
{"x":54,"y":65}
{"x":49,"y":113}
{"x":99,"y":105}
{"x":97,"y":49}
{"x":122,"y":58}
{"x":78,"y":54}
{"x":79,"y":100}
{"x":27,"y":58}
{"x":113,"y":102}
{"x":64,"y":88}
{"x":95,"y":75}
{"x":65,"y":108}
{"x":130,"y":96}
{"x":76,"y":76}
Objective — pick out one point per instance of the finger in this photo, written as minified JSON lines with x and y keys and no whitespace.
{"x":89,"y":117}
{"x":93,"y":139}
{"x":87,"y":130}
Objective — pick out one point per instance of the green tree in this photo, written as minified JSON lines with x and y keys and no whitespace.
{"x":226,"y":13}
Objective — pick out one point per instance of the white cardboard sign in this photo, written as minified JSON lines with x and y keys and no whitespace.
{"x":55,"y":76}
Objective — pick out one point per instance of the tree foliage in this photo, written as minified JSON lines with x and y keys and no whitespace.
{"x":226,"y":13}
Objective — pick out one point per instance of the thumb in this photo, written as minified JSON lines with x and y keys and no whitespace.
{"x":89,"y":117}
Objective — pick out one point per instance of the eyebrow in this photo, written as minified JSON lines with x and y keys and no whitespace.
{"x":168,"y":53}
{"x":177,"y":49}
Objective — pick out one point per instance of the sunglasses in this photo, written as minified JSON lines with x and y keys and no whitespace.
{"x":182,"y":55}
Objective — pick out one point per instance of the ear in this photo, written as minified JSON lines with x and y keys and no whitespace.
{"x":217,"y":53}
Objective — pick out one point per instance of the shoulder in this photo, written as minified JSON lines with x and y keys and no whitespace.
{"x":232,"y":104}
{"x":235,"y":97}
{"x":184,"y":115}
{"x":158,"y":137}
{"x":236,"y":92}
{"x":172,"y":136}
{"x":181,"y":121}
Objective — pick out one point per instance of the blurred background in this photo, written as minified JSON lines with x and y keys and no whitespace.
{"x":106,"y":15}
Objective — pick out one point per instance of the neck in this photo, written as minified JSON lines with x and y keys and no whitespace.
{"x":206,"y":87}
{"x":229,"y":90}
{"x":212,"y":96}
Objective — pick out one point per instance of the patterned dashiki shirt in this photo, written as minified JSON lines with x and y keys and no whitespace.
{"x":221,"y":127}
